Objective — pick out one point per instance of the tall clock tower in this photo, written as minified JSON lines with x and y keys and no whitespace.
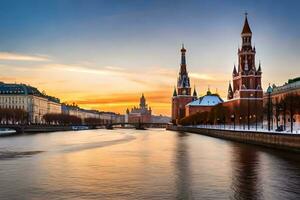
{"x":182,"y":94}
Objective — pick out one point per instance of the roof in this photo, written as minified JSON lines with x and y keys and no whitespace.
{"x":207,"y":100}
{"x":294,"y":80}
{"x":246,"y":28}
{"x":270,"y":89}
{"x":22,"y":89}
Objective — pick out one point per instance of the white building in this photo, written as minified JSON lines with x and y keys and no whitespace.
{"x":104,"y":117}
{"x":29,"y":99}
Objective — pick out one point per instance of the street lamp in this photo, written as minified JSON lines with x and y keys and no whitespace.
{"x":255,"y":121}
{"x":233,"y":120}
{"x":248,"y":117}
{"x":269,"y":91}
{"x":243,"y":122}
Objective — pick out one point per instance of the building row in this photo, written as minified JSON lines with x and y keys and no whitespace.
{"x":246,"y":101}
{"x":37,"y":104}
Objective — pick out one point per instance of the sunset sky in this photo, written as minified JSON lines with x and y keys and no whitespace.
{"x":104,"y":54}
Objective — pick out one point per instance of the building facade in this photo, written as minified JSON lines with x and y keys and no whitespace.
{"x":140,"y":114}
{"x":84,"y":114}
{"x":29,"y":99}
{"x":282,"y":100}
{"x":182,"y":93}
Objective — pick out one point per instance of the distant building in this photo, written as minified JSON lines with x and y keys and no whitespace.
{"x":83,"y":114}
{"x":29,"y":99}
{"x":139,"y":114}
{"x":111,"y":117}
{"x":161,"y":119}
{"x":79,"y":112}
{"x":203,"y":104}
{"x":280,"y":110}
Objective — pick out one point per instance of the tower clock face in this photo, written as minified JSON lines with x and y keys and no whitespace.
{"x":183,"y":92}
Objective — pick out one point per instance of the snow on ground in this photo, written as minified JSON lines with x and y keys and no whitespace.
{"x":252,"y":128}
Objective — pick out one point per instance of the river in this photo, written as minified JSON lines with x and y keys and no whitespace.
{"x":143,"y":164}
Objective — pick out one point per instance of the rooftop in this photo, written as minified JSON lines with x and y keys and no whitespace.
{"x":22,"y":89}
{"x":207,"y":100}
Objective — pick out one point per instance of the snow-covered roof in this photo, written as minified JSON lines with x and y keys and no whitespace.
{"x":207,"y":100}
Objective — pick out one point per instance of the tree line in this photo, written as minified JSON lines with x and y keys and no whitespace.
{"x":13,"y":115}
{"x":287,"y":107}
{"x":64,"y":119}
{"x":217,"y":115}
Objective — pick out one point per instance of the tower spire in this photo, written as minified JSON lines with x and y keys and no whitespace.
{"x":195,"y":92}
{"x":234,"y":70}
{"x":174,"y":92}
{"x":183,"y":84}
{"x":259,"y":67}
{"x":246,"y":28}
{"x":230,"y":92}
{"x":183,"y":60}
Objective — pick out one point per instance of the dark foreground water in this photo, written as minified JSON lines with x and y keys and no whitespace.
{"x":152,"y":164}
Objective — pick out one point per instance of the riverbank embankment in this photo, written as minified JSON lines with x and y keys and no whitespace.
{"x":21,"y":129}
{"x":284,"y":141}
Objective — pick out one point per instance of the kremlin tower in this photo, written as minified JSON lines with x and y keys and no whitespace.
{"x":246,"y":92}
{"x":182,"y":94}
{"x":247,"y":78}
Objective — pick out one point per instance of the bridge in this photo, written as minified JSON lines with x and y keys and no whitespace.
{"x":137,"y":125}
{"x":37,"y":128}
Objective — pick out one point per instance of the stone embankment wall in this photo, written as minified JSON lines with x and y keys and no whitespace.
{"x":274,"y":140}
{"x":36,"y":129}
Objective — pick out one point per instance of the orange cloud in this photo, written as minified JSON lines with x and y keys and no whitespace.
{"x":159,"y":100}
{"x":22,"y":57}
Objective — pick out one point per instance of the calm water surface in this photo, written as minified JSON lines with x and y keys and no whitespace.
{"x":151,"y":164}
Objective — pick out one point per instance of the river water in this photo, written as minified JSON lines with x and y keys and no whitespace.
{"x":151,"y":164}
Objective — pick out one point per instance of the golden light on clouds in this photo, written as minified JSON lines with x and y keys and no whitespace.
{"x":21,"y":57}
{"x":107,"y":88}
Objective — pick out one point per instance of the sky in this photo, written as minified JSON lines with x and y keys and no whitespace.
{"x":104,"y":54}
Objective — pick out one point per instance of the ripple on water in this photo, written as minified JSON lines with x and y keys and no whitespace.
{"x":17,"y":154}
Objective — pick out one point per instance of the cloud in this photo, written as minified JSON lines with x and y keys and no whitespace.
{"x":22,"y":57}
{"x":159,"y":96}
{"x":108,"y":70}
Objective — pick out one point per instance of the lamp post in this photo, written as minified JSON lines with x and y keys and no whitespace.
{"x":255,"y":107}
{"x":255,"y":121}
{"x":233,"y":120}
{"x":269,"y":91}
{"x":248,"y":114}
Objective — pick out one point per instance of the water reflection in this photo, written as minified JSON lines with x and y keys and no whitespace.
{"x":182,"y":167}
{"x":246,"y":183}
{"x":152,"y":164}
